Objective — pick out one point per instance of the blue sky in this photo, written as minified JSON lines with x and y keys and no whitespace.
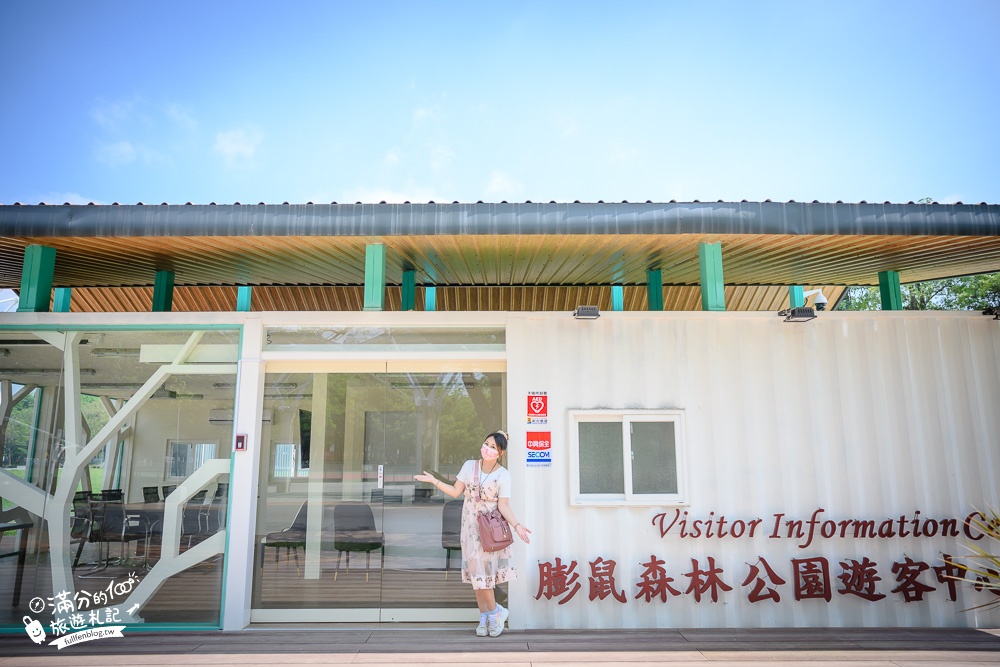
{"x":369,"y":101}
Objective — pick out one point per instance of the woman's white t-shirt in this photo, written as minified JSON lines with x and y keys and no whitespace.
{"x":500,"y":475}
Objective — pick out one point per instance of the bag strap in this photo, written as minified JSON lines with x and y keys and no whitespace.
{"x":475,"y":481}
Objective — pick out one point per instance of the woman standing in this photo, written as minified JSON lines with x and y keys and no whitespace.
{"x":484,"y":570}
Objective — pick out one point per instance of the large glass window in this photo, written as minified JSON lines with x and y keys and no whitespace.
{"x":344,"y":533}
{"x":115,"y":467}
{"x":621,"y":457}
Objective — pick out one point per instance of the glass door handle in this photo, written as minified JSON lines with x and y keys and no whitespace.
{"x":381,"y":476}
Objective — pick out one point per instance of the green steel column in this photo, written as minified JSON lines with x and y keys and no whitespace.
{"x":244,"y":295}
{"x":617,"y":297}
{"x":36,"y":279}
{"x":795,"y":297}
{"x":713,"y":288}
{"x":375,"y":277}
{"x":61,"y":298}
{"x":888,"y":287}
{"x":163,"y":291}
{"x":654,"y":289}
{"x":430,"y":299}
{"x":409,"y":290}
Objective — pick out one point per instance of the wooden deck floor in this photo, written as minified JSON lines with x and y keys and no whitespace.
{"x":435,"y":645}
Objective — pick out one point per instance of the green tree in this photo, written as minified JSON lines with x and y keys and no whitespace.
{"x":966,"y":293}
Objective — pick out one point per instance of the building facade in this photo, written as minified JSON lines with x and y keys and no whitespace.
{"x":698,"y":468}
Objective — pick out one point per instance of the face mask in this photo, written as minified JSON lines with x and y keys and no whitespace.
{"x":489,"y":453}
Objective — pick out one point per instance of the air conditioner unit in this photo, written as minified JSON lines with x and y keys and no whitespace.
{"x":226,"y":416}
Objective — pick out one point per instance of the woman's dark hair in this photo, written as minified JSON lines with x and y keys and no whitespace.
{"x":501,"y":439}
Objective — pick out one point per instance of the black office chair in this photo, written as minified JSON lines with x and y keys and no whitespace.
{"x":168,"y":489}
{"x":80,"y":523}
{"x":112,"y":495}
{"x":291,"y":538}
{"x":111,"y":523}
{"x":354,"y":530}
{"x":451,"y":531}
{"x":150,"y":494}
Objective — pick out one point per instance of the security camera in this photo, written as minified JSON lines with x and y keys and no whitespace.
{"x":819,"y":301}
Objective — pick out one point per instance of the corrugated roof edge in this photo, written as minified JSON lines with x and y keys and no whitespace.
{"x":816,"y":218}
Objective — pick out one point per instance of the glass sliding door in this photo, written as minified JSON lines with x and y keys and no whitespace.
{"x":344,"y":532}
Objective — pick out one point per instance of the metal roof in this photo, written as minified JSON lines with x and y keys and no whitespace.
{"x":491,"y":256}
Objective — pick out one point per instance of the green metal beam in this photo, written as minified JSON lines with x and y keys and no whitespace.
{"x":36,"y":279}
{"x":409,"y":290}
{"x":796,"y":297}
{"x":61,"y":299}
{"x":617,"y":297}
{"x":654,"y":289}
{"x":430,"y":299}
{"x":163,"y":292}
{"x":888,"y":287}
{"x":244,"y":295}
{"x":375,"y":277}
{"x":713,"y":288}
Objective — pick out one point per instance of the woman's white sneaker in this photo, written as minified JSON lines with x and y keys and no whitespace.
{"x":497,"y":621}
{"x":482,"y":631}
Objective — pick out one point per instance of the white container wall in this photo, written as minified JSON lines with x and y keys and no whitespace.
{"x":850,"y":418}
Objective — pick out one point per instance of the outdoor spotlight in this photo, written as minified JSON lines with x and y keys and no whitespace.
{"x":586,"y":313}
{"x":801,"y":314}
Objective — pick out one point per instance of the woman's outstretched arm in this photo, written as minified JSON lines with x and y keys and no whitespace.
{"x":453,"y":490}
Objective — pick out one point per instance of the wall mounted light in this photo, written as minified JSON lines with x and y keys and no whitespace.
{"x":587,"y":312}
{"x":800,"y":314}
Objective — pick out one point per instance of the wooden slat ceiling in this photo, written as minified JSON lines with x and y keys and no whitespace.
{"x":490,"y":256}
{"x":509,"y":260}
{"x":327,"y":298}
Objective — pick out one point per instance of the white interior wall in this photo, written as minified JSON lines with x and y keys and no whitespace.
{"x":161,"y":420}
{"x":866,"y":415}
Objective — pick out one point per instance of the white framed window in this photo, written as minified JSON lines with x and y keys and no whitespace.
{"x":627,"y":457}
{"x":186,"y":456}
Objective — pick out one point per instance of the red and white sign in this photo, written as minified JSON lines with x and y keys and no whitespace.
{"x":538,"y":407}
{"x":539,"y":444}
{"x":539,"y":440}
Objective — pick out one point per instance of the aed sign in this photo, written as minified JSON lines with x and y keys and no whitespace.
{"x":538,"y":407}
{"x":539,"y":446}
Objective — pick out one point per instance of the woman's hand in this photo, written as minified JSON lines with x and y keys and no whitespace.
{"x":522,"y":532}
{"x":426,"y":477}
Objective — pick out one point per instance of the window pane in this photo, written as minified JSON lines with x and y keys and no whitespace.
{"x":654,"y":458}
{"x":601,"y":466}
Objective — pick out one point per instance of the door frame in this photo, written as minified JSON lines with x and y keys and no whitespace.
{"x":375,"y":363}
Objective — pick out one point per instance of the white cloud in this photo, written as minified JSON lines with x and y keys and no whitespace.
{"x":238,"y":147}
{"x":117,"y":154}
{"x":181,"y":117}
{"x":502,"y":186}
{"x":440,"y":157}
{"x":422,"y":115}
{"x":567,"y":125}
{"x":620,"y":153}
{"x":112,"y":115}
{"x":392,"y":157}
